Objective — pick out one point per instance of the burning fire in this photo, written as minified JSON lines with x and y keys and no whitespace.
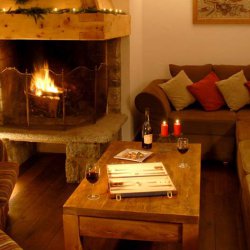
{"x":42,"y":83}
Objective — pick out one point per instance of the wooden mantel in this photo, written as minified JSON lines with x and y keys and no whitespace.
{"x":67,"y":26}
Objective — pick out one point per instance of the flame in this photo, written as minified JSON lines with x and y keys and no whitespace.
{"x":41,"y":82}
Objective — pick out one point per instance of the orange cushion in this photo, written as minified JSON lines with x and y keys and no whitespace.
{"x":206,"y":92}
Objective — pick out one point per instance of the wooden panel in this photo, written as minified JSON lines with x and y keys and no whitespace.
{"x":71,"y":233}
{"x":190,"y":237}
{"x":131,"y":230}
{"x":65,"y":27}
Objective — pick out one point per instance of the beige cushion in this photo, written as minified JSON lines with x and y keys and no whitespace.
{"x":234,"y":91}
{"x":176,"y":90}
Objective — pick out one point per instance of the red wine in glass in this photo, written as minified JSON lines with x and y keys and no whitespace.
{"x":92,"y":177}
{"x":92,"y":174}
{"x":182,"y":147}
{"x":182,"y":150}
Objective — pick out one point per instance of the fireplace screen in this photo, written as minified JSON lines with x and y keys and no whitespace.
{"x":54,"y":99}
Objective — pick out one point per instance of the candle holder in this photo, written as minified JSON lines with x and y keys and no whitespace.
{"x":171,"y":138}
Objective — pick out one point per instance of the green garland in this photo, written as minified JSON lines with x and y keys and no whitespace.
{"x":21,"y":1}
{"x":37,"y":13}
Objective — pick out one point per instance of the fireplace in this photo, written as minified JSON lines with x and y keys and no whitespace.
{"x":55,"y":84}
{"x":82,"y":51}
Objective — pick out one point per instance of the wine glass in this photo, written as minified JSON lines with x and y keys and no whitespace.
{"x":182,"y":147}
{"x":92,"y":174}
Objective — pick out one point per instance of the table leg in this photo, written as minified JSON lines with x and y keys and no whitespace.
{"x":190,"y":236}
{"x":71,"y":233}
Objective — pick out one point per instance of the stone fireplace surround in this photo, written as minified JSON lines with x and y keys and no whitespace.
{"x":84,"y":145}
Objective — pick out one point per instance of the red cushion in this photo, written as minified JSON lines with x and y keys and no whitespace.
{"x":247,"y":84}
{"x":206,"y":92}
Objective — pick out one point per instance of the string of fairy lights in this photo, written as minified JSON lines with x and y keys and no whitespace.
{"x":37,"y":12}
{"x":59,"y":11}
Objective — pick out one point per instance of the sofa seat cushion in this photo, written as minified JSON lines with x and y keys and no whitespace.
{"x":245,"y":205}
{"x":6,"y":243}
{"x":244,"y":155}
{"x":197,"y":121}
{"x":242,"y":130}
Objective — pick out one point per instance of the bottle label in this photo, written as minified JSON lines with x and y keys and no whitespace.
{"x":148,"y":139}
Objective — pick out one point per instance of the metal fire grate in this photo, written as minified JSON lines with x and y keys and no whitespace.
{"x":82,"y":98}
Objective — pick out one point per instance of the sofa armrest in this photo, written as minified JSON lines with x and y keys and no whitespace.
{"x":8,"y":177}
{"x":153,"y":97}
{"x":8,"y":243}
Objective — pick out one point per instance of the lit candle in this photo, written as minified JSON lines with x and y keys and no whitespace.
{"x":4,"y":10}
{"x":120,"y":11}
{"x":55,"y":9}
{"x":110,"y":10}
{"x":74,"y":9}
{"x":164,"y":129}
{"x":177,"y":128}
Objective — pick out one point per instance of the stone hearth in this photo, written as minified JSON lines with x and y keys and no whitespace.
{"x":84,"y":145}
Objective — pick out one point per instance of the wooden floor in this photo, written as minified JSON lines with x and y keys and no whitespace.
{"x":36,"y":209}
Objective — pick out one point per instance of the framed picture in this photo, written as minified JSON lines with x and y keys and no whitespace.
{"x":221,"y":11}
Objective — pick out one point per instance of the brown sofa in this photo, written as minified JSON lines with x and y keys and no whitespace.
{"x":222,"y":133}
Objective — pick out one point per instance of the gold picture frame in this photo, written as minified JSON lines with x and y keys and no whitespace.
{"x":221,"y":11}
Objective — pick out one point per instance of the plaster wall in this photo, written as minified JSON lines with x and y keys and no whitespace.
{"x":163,"y":32}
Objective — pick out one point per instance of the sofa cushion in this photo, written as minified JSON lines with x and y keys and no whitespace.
{"x":225,"y":71}
{"x":242,"y":130}
{"x":176,"y":90}
{"x":207,"y":93}
{"x":244,"y":151}
{"x":245,"y":205}
{"x":194,"y":72}
{"x":234,"y":91}
{"x":197,"y":121}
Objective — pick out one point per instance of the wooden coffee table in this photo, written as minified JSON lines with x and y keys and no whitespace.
{"x":143,"y":218}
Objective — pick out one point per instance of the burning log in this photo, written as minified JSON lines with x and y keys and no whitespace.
{"x":44,"y":95}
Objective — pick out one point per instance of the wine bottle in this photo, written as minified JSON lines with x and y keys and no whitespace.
{"x":147,"y":132}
